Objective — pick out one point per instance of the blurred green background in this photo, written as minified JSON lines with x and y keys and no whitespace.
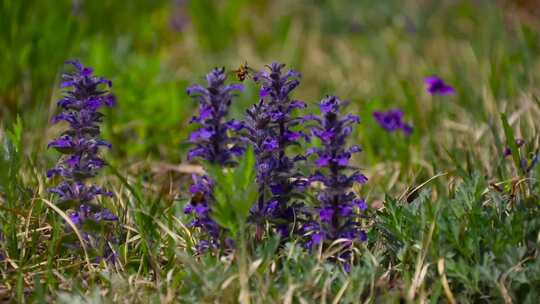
{"x":373,"y":53}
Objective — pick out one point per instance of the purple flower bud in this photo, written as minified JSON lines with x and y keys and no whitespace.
{"x":277,"y":189}
{"x":323,"y":161}
{"x":326,"y":214}
{"x":292,"y":136}
{"x":361,"y":204}
{"x":270,"y":144}
{"x":345,"y":210}
{"x":359,"y":178}
{"x":201,"y":134}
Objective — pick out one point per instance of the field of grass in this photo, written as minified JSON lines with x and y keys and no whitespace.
{"x":453,"y":209}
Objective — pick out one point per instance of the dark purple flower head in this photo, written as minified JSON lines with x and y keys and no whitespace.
{"x":214,"y":143}
{"x":392,"y":120}
{"x":84,"y":95}
{"x":271,"y":126}
{"x":212,"y":140}
{"x":436,"y":86}
{"x":339,"y":208}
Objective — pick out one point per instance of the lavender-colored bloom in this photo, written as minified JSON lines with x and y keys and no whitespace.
{"x":80,"y":144}
{"x":392,"y":120}
{"x":214,"y":144}
{"x":212,"y":140}
{"x":436,"y":86}
{"x":271,"y":127}
{"x":337,"y":213}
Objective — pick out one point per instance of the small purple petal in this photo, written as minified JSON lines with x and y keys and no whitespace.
{"x":323,"y":161}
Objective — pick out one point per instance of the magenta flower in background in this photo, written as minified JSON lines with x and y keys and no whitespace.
{"x":436,"y":86}
{"x":392,"y":120}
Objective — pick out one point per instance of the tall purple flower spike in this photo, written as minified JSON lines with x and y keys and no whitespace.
{"x":80,"y":144}
{"x":392,"y":120}
{"x":336,"y":216}
{"x":436,"y":86}
{"x":85,"y":94}
{"x":271,"y":127}
{"x":213,"y":143}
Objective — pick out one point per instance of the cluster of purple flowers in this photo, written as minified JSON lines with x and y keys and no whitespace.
{"x":271,"y":127}
{"x":214,"y":144}
{"x":339,"y":207}
{"x":80,"y":143}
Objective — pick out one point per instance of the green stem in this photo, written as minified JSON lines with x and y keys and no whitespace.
{"x":243,"y":267}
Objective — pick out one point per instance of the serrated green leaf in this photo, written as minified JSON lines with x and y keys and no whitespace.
{"x":235,"y":191}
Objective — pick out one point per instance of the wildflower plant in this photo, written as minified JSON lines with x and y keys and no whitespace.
{"x":338,"y":211}
{"x":214,"y":145}
{"x":84,"y":96}
{"x":271,"y":127}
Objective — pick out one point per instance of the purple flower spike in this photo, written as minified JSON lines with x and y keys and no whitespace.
{"x":214,"y":143}
{"x":271,"y":126}
{"x":212,"y":140}
{"x":392,"y":120}
{"x":436,"y":86}
{"x":336,"y":216}
{"x":85,"y":94}
{"x":81,"y":142}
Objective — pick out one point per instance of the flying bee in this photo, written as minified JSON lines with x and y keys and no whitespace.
{"x":243,"y":71}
